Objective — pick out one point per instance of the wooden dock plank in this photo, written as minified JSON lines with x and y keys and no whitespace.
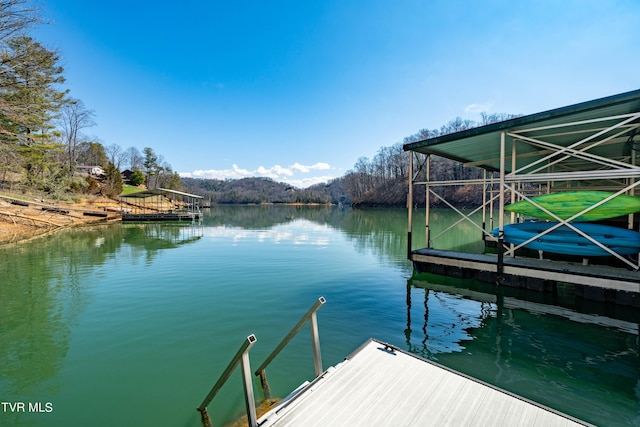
{"x":600,"y":276}
{"x":378,"y":387}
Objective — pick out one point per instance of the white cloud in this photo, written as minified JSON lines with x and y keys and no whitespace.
{"x":308,"y":182}
{"x":290,"y":175}
{"x":318,"y":166}
{"x":483,"y":107}
{"x":477,"y":108}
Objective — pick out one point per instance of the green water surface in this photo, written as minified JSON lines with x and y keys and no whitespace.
{"x":131,"y":324}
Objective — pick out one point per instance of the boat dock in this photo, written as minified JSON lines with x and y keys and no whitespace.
{"x":161,"y":204}
{"x":595,"y":282}
{"x":570,"y":165}
{"x":383,"y":386}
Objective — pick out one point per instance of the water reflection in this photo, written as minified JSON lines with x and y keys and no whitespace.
{"x":531,"y":347}
{"x":146,"y":240}
{"x":42,"y":293}
{"x":44,"y":290}
{"x":382,"y":232}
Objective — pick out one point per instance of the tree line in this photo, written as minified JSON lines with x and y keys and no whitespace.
{"x":383,"y":180}
{"x":42,"y":139}
{"x":255,"y":191}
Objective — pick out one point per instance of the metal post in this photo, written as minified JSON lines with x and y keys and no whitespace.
{"x":311,"y":316}
{"x":427,"y":201}
{"x":484,"y":202}
{"x":315,"y":342}
{"x":513,"y":184}
{"x":500,"y":266}
{"x":492,"y":202}
{"x":265,"y":384}
{"x":241,"y":355}
{"x":249,"y":398}
{"x":410,"y":205}
{"x":632,"y":192}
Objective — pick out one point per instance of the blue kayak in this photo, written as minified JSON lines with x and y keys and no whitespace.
{"x":564,"y":240}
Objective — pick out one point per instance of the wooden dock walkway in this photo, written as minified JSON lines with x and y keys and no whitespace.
{"x":534,"y":274}
{"x":378,"y":385}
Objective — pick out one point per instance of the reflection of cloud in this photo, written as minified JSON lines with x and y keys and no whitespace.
{"x":299,"y":232}
{"x":275,"y":172}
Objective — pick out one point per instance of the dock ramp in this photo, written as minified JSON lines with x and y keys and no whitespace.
{"x":379,"y":385}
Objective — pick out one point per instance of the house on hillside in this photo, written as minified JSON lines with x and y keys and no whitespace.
{"x":90,"y":170}
{"x":126,"y":176}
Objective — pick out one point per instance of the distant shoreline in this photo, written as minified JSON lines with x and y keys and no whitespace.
{"x":22,"y":220}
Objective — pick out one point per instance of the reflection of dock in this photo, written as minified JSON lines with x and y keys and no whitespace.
{"x":503,"y":301}
{"x":168,"y":216}
{"x":552,"y":350}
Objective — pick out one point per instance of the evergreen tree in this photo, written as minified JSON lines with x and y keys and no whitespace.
{"x":112,"y":181}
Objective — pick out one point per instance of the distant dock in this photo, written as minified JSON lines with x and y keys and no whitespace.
{"x":161,"y":204}
{"x":379,"y":385}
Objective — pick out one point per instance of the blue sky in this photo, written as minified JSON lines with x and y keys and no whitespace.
{"x":299,"y":90}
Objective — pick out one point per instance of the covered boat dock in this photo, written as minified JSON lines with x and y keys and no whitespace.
{"x":160,"y":204}
{"x":583,"y":147}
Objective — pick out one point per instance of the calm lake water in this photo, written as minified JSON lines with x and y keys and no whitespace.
{"x":131,"y":324}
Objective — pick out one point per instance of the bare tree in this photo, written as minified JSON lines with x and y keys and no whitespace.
{"x":116,"y":155}
{"x":74,"y":116}
{"x":16,"y":16}
{"x":134,"y":158}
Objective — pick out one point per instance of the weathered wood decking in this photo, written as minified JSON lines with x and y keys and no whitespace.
{"x":381,"y":386}
{"x":532,"y":273}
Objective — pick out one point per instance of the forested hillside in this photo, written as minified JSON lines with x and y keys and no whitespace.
{"x":254,"y":190}
{"x":383,"y":180}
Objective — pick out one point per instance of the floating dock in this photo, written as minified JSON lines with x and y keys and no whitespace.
{"x":379,"y":385}
{"x":596,"y":282}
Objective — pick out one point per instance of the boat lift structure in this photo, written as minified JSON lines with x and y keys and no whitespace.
{"x":593,"y":145}
{"x":160,"y":204}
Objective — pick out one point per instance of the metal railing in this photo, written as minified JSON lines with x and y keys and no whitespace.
{"x":310,"y":315}
{"x":242,"y":357}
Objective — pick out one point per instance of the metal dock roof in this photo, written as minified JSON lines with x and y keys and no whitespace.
{"x":380,"y":385}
